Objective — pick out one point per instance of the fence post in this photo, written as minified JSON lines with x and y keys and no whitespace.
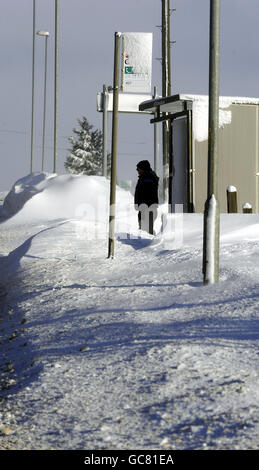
{"x":247,"y":208}
{"x":232,"y":199}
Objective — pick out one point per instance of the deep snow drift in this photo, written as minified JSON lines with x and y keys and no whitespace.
{"x":129,"y":353}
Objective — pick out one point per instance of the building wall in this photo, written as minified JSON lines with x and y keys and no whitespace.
{"x":238,"y":160}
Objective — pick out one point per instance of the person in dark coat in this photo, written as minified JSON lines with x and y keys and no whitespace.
{"x":146,"y":196}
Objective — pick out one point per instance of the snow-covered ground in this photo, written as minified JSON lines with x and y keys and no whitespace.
{"x":126,"y":353}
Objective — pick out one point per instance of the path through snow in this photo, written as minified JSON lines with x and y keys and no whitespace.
{"x":130,"y":353}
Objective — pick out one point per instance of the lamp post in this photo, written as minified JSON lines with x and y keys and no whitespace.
{"x":33,"y":86}
{"x":56,"y":89}
{"x":46,"y":35}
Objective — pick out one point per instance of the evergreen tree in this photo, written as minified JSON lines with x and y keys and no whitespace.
{"x":85,"y":157}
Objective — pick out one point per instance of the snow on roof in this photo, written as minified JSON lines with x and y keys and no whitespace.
{"x":223,"y":99}
{"x":200,"y":105}
{"x":201,"y":113}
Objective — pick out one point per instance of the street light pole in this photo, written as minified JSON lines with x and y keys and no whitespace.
{"x":55,"y":157}
{"x":33,"y":75}
{"x":46,"y":35}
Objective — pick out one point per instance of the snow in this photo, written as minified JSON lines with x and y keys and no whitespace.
{"x":137,"y":62}
{"x":231,"y":189}
{"x":200,"y":110}
{"x":201,"y":113}
{"x":225,"y":101}
{"x":129,"y":353}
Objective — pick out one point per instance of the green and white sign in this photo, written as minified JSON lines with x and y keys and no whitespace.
{"x":136,"y":71}
{"x":128,"y":70}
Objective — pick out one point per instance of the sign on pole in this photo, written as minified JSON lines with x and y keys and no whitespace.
{"x":136,"y":62}
{"x":116,"y":74}
{"x":135,"y":78}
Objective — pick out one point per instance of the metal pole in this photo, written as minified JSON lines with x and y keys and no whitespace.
{"x":116,"y":76}
{"x":168,"y":49}
{"x":45,"y":95}
{"x":156,"y":141}
{"x":55,"y":157}
{"x":105,"y":127}
{"x":166,"y":62}
{"x":211,"y":212}
{"x":33,"y":80}
{"x":166,"y":90}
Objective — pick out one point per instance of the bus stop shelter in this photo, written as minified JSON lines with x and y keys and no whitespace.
{"x":188,"y":148}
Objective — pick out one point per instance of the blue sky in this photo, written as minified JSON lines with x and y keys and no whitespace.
{"x":86,"y":38}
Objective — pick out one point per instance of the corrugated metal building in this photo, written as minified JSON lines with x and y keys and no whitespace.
{"x":238,"y":163}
